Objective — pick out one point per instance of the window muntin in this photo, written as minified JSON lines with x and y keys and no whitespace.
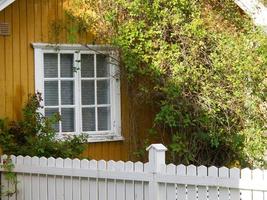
{"x":91,"y":103}
{"x":59,"y":96}
{"x":99,"y":113}
{"x":95,"y":94}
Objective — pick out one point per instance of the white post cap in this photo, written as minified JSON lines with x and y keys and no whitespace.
{"x":158,"y":147}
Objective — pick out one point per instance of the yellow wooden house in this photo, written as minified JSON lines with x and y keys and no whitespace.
{"x":79,"y":81}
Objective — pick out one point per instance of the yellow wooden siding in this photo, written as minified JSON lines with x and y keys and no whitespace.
{"x":30,"y":21}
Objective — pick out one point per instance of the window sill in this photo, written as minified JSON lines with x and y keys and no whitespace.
{"x":105,"y":138}
{"x":93,"y":138}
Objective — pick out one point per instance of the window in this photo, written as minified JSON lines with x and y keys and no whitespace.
{"x":82,"y":84}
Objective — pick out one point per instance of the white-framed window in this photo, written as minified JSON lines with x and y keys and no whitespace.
{"x":82,"y":84}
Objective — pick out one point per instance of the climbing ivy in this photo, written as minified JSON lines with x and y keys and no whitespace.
{"x":202,"y":64}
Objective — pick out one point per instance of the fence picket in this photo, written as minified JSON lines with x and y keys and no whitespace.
{"x":146,"y":184}
{"x":93,"y":181}
{"x":27,"y":179}
{"x":202,"y":171}
{"x":162,"y":187}
{"x":13,"y":186}
{"x":171,"y":188}
{"x":191,"y":189}
{"x":120,"y":186}
{"x":102,"y":183}
{"x":43,"y":180}
{"x":213,"y":191}
{"x":265,"y":180}
{"x":51,"y":180}
{"x":246,"y":175}
{"x":84,"y":181}
{"x":59,"y":181}
{"x":4,"y":181}
{"x":68,"y":180}
{"x":257,"y":174}
{"x":223,"y":192}
{"x":234,"y":193}
{"x":138,"y":185}
{"x":181,"y":189}
{"x":76,"y":187}
{"x":111,"y":182}
{"x":129,"y":190}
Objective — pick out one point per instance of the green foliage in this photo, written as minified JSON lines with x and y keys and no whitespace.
{"x":34,"y":135}
{"x":10,"y":176}
{"x":203,"y":64}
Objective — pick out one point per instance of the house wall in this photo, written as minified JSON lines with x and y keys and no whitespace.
{"x":31,"y":21}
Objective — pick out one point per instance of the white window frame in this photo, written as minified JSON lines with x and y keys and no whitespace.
{"x":115,"y":97}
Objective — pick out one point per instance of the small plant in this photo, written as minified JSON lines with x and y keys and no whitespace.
{"x":34,"y":134}
{"x":10,"y":176}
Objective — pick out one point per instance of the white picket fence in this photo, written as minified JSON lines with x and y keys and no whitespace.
{"x":66,"y":179}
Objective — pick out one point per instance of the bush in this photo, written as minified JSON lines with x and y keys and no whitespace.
{"x":34,"y":135}
{"x":201,"y":63}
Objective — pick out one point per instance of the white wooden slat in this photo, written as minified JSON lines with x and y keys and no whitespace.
{"x":4,"y":181}
{"x":246,"y":176}
{"x":13,"y":185}
{"x":120,"y":186}
{"x":67,"y":180}
{"x":76,"y":183}
{"x":171,"y":188}
{"x":14,"y":159}
{"x":162,"y":187}
{"x":224,"y":192}
{"x":111,"y":191}
{"x":84,"y":181}
{"x":234,"y":175}
{"x":129,"y":185}
{"x":20,"y":191}
{"x":43,"y":181}
{"x":213,"y":191}
{"x":27,"y":179}
{"x":138,"y":185}
{"x":265,"y":180}
{"x":202,"y":171}
{"x":257,"y":174}
{"x":59,"y":181}
{"x":51,"y":162}
{"x":146,"y":184}
{"x":181,"y":189}
{"x":102,"y":183}
{"x":93,"y":181}
{"x":35,"y":180}
{"x":191,"y":189}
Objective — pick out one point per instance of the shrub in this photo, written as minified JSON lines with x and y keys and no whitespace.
{"x":34,"y":134}
{"x":201,"y":63}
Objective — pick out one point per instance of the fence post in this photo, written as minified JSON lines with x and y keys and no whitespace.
{"x":156,"y":158}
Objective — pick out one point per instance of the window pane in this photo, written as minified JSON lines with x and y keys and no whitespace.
{"x":88,"y":92}
{"x":50,"y":65}
{"x":67,"y":92}
{"x":51,"y":93}
{"x":66,"y":65}
{"x":49,"y":112}
{"x":67,"y":119}
{"x":88,"y":119}
{"x":103,"y":94}
{"x":103,"y":118}
{"x":102,"y":66}
{"x":87,"y":65}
